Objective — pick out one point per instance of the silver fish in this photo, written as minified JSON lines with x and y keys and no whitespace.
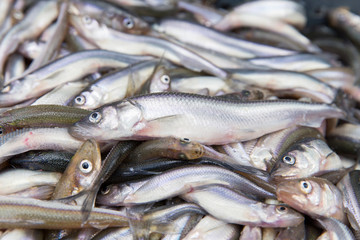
{"x":207,"y":120}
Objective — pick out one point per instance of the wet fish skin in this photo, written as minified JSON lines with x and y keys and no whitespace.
{"x":183,"y":115}
{"x":336,"y":229}
{"x":315,"y":197}
{"x":232,"y":207}
{"x":38,"y":214}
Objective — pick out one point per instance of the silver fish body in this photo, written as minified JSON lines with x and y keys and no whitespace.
{"x":207,"y":120}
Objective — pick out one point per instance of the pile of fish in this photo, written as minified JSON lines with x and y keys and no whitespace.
{"x":176,"y":119}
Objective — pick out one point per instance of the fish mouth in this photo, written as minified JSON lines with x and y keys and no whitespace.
{"x":80,"y":131}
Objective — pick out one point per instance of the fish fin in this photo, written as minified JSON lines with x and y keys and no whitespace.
{"x":130,"y":90}
{"x":89,"y":202}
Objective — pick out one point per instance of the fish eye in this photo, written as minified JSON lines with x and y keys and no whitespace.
{"x":165,"y":79}
{"x":281,"y":209}
{"x":80,"y":100}
{"x":246,"y":93}
{"x":85,"y":166}
{"x":95,"y":117}
{"x":289,"y":160}
{"x":305,"y":187}
{"x":185,"y":140}
{"x":86,"y":19}
{"x":105,"y":190}
{"x":1,"y":130}
{"x":182,"y":156}
{"x":128,"y":23}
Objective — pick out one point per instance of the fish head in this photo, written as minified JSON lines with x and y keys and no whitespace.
{"x":90,"y":99}
{"x":108,"y":122}
{"x":283,"y":216}
{"x":304,"y":194}
{"x":114,"y":194}
{"x":306,"y":159}
{"x":81,"y":171}
{"x":186,"y":149}
{"x":127,"y":23}
{"x":160,"y":81}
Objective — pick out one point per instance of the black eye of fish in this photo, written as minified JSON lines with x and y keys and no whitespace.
{"x":289,"y":160}
{"x":85,"y":166}
{"x":246,"y":93}
{"x":281,"y":209}
{"x":95,"y":117}
{"x":86,"y":19}
{"x":185,"y":140}
{"x":128,"y":23}
{"x":105,"y":190}
{"x":165,"y":79}
{"x":305,"y":187}
{"x":1,"y":131}
{"x":80,"y":100}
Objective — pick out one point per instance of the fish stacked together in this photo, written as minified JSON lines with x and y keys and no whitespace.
{"x":177,"y":120}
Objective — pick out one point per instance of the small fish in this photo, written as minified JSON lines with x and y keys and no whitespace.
{"x":38,"y":214}
{"x":232,"y":207}
{"x":208,"y":120}
{"x":315,"y":197}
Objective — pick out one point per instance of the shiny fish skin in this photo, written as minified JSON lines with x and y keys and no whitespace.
{"x":38,"y":214}
{"x":183,"y":115}
{"x":336,"y":229}
{"x":232,"y":207}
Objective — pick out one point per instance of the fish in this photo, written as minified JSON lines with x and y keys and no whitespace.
{"x":16,"y":180}
{"x":316,"y":197}
{"x":107,"y":38}
{"x":39,"y":116}
{"x":115,"y":86}
{"x":183,"y":115}
{"x":210,"y":227}
{"x":181,"y":180}
{"x":34,"y":22}
{"x":66,"y":69}
{"x":38,"y":214}
{"x":54,"y":161}
{"x":232,"y":207}
{"x":209,"y":39}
